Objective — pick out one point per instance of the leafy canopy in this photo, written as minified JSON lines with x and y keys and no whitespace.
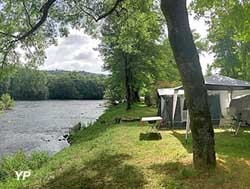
{"x":28,"y":27}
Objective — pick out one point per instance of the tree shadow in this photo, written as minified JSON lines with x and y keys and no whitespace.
{"x":225,"y":143}
{"x":171,"y":174}
{"x":181,"y":137}
{"x":183,"y":175}
{"x":105,"y":171}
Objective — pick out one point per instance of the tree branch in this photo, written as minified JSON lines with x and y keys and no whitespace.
{"x":111,"y":10}
{"x":7,"y":34}
{"x":96,"y":19}
{"x":27,"y":14}
{"x":45,"y":12}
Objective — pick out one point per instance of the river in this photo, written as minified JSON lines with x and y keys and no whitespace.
{"x":40,"y":125}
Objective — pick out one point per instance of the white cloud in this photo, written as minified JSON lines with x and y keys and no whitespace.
{"x":76,"y":52}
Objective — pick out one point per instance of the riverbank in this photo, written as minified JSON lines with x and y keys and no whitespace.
{"x":109,"y":155}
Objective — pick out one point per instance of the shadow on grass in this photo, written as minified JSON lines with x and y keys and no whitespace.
{"x":105,"y":171}
{"x":181,"y":137}
{"x":173,"y":174}
{"x":225,"y":143}
{"x":226,"y":175}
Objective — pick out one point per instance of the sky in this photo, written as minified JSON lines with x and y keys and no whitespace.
{"x":77,"y":51}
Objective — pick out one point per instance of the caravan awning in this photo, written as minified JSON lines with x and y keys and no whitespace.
{"x":165,"y":92}
{"x":170,"y":91}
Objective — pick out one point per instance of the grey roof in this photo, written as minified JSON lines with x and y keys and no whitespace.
{"x":219,"y":82}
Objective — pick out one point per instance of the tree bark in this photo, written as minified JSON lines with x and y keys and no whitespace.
{"x":244,"y":56}
{"x":127,"y":83}
{"x":188,"y":64}
{"x":135,"y":95}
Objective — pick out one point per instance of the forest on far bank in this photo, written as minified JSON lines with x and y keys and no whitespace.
{"x":31,"y":84}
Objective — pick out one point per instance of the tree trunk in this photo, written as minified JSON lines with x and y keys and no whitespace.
{"x":188,"y":63}
{"x":127,"y":83}
{"x":244,"y":56}
{"x":135,"y":95}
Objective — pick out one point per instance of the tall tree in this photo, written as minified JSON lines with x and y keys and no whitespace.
{"x":130,"y":47}
{"x":188,"y":63}
{"x":229,"y":34}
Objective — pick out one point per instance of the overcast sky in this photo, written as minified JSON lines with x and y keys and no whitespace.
{"x":76,"y":52}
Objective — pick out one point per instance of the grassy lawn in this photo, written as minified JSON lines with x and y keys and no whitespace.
{"x":108,"y":155}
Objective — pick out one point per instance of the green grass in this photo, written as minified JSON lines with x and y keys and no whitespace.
{"x":21,"y":162}
{"x":109,"y":155}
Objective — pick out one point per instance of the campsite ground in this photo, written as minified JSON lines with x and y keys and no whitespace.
{"x":108,"y":155}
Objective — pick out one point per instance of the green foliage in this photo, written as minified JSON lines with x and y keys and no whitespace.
{"x":75,"y":86}
{"x":6,"y":102}
{"x":135,"y":29}
{"x":2,"y":106}
{"x":229,"y":34}
{"x":135,"y":50}
{"x":149,"y":99}
{"x":21,"y":162}
{"x":30,"y":84}
{"x":27,"y":84}
{"x":20,"y":18}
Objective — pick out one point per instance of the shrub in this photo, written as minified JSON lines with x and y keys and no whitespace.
{"x":2,"y":106}
{"x":7,"y":101}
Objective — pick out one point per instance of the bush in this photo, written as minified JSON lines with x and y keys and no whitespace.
{"x":2,"y":106}
{"x":21,"y":162}
{"x":6,"y":102}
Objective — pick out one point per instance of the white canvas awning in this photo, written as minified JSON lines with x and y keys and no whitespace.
{"x":166,"y":91}
{"x":169,"y":91}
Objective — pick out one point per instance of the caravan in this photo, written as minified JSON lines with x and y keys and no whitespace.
{"x":221,"y":91}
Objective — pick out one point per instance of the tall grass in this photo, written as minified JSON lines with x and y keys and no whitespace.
{"x":21,"y":162}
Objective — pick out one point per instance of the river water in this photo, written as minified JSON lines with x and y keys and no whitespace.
{"x":40,"y":125}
